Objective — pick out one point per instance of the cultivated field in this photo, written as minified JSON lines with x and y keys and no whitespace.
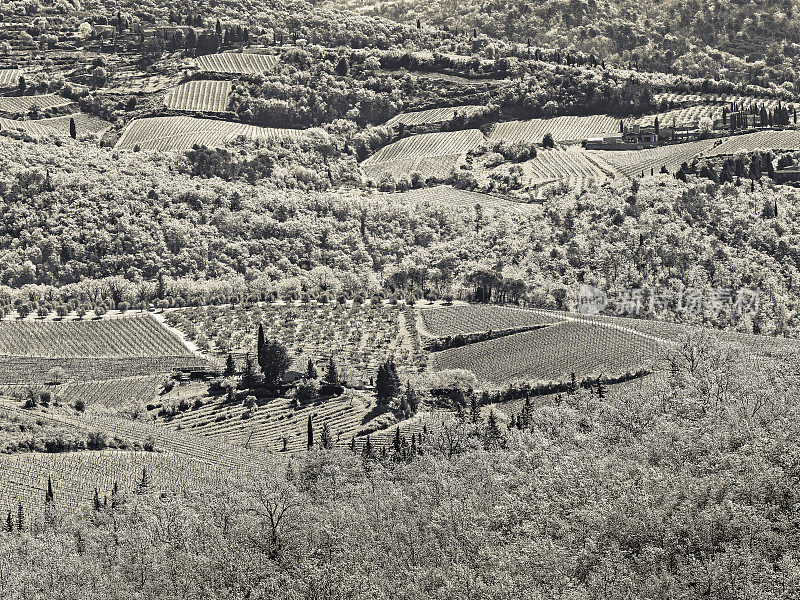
{"x":114,"y":394}
{"x":84,"y":124}
{"x":434,"y":115}
{"x":264,"y":428}
{"x":474,"y":318}
{"x":359,"y":338}
{"x":689,"y":114}
{"x":760,"y":140}
{"x":35,"y":129}
{"x":236,"y":63}
{"x":9,"y":78}
{"x":434,"y":155}
{"x":199,"y":96}
{"x":563,"y":129}
{"x":573,"y":167}
{"x":21,"y":105}
{"x":633,"y":163}
{"x":551,"y":354}
{"x":124,"y":337}
{"x":183,"y":133}
{"x":686,"y":99}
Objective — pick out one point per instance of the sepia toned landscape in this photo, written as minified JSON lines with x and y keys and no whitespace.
{"x":359,"y":299}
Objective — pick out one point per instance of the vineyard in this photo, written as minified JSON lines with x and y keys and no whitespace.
{"x":633,"y":163}
{"x":21,"y":105}
{"x":474,"y":318}
{"x":551,"y":354}
{"x":84,"y":124}
{"x":448,"y":196}
{"x":175,"y":462}
{"x":760,"y":140}
{"x":9,"y":78}
{"x":183,"y":133}
{"x":34,"y":129}
{"x":427,"y":145}
{"x":572,"y":167}
{"x":264,"y":428}
{"x":435,"y":155}
{"x":114,"y":394}
{"x":434,"y":115}
{"x":124,"y":337}
{"x":563,"y":129}
{"x":358,"y":337}
{"x":236,"y":63}
{"x":199,"y":96}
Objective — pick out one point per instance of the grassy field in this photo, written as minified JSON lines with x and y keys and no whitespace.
{"x":84,"y":124}
{"x":199,"y":96}
{"x":182,"y":133}
{"x":563,"y":129}
{"x":113,"y":394}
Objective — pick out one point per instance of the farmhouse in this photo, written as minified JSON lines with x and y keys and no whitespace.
{"x":635,"y":137}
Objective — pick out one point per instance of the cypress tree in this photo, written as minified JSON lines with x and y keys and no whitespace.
{"x":49,"y":495}
{"x":260,"y":346}
{"x":311,"y":370}
{"x":9,"y":523}
{"x":475,"y":409}
{"x":230,"y":366}
{"x":20,"y":517}
{"x":332,"y":375}
{"x":310,"y":433}
{"x":326,"y":439}
{"x":73,"y":132}
{"x":368,"y":451}
{"x":396,"y":443}
{"x":96,"y":499}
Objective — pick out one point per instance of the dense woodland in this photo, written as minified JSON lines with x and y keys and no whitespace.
{"x":134,"y":216}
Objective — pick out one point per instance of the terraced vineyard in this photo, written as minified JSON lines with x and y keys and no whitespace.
{"x":21,"y":105}
{"x":264,"y":428}
{"x":199,"y":96}
{"x":434,"y":115}
{"x":9,"y":78}
{"x":474,"y":318}
{"x":633,"y":163}
{"x":123,"y":337}
{"x":183,"y":133}
{"x":448,"y":196}
{"x":551,"y":354}
{"x":35,"y":129}
{"x":434,"y":155}
{"x":788,"y":139}
{"x":572,"y":167}
{"x":237,"y":63}
{"x":179,"y":462}
{"x":563,"y":129}
{"x":114,"y":394}
{"x":359,"y":338}
{"x":84,"y":124}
